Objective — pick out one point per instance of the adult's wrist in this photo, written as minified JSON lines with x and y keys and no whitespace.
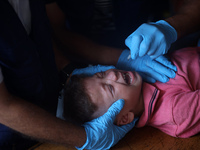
{"x":169,"y":30}
{"x":84,"y":142}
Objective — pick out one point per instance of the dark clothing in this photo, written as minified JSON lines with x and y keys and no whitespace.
{"x":110,"y":22}
{"x":27,"y":61}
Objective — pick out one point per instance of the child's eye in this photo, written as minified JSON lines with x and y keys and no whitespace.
{"x":111,"y":89}
{"x":102,"y":74}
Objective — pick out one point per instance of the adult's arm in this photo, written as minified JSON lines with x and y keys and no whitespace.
{"x":186,"y":20}
{"x":77,"y":45}
{"x":36,"y":123}
{"x":71,"y":43}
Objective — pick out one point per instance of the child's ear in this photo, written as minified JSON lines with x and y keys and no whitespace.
{"x":125,"y":119}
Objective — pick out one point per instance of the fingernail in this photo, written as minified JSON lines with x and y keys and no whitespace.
{"x":165,"y":79}
{"x":175,"y":68}
{"x":173,"y":74}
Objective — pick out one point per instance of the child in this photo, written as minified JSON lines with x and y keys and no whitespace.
{"x":172,"y":107}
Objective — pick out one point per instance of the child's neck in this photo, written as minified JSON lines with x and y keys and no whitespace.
{"x":140,"y":107}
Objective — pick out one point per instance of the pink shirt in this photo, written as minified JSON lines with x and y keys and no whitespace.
{"x":174,"y":107}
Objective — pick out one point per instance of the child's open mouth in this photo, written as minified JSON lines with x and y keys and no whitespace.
{"x":127,"y":77}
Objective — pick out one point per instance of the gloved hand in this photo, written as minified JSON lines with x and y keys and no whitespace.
{"x":153,"y":39}
{"x":160,"y":69}
{"x":102,"y":133}
{"x":91,"y":70}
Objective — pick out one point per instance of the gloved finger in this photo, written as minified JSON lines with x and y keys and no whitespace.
{"x":156,"y":53}
{"x":101,"y":68}
{"x":161,"y":50}
{"x":128,"y":41}
{"x":113,"y":111}
{"x":157,"y":46}
{"x":161,"y":69}
{"x":147,"y":78}
{"x":154,"y":49}
{"x":91,"y":70}
{"x":154,"y":56}
{"x":145,"y":46}
{"x":165,"y":62}
{"x":134,"y":45}
{"x":157,"y":75}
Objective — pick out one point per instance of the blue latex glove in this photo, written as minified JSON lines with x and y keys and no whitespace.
{"x":102,"y":133}
{"x":160,"y":69}
{"x":91,"y":70}
{"x":153,"y":39}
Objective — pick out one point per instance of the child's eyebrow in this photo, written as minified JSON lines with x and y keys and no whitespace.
{"x":99,"y":74}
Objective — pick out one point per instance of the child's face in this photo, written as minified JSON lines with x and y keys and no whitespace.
{"x":104,"y":88}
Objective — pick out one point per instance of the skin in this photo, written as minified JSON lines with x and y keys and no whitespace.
{"x":36,"y":123}
{"x":105,"y":88}
{"x":186,"y":18}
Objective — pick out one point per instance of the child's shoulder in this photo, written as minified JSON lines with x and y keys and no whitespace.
{"x":187,"y":52}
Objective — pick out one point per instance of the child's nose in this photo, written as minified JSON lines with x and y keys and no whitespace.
{"x":111,"y":75}
{"x":115,"y":76}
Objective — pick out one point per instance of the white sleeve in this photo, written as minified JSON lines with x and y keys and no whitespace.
{"x":1,"y":76}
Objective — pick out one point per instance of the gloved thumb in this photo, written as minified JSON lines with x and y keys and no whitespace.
{"x":114,"y":110}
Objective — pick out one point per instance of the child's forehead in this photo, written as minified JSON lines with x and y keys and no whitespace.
{"x":98,"y":90}
{"x":91,"y":83}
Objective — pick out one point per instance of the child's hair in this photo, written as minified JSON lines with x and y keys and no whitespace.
{"x":78,"y":106}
